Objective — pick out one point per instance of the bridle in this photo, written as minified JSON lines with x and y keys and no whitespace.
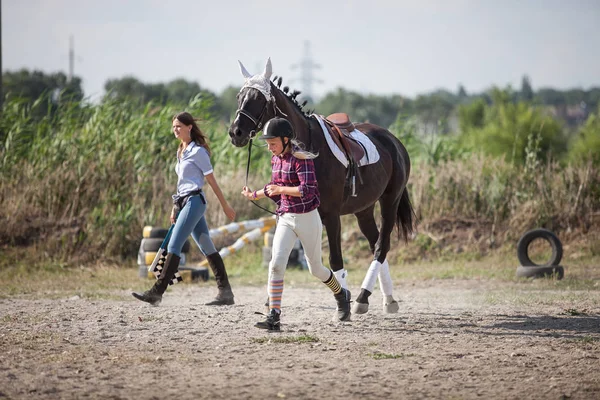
{"x":258,"y":122}
{"x":258,"y":125}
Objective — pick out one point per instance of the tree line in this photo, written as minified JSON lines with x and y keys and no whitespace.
{"x":433,"y":110}
{"x":74,"y":183}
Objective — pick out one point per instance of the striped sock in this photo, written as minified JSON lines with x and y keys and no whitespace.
{"x":275,"y":292}
{"x":333,"y":284}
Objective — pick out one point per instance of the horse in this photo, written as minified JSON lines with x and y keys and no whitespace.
{"x":384,"y":181}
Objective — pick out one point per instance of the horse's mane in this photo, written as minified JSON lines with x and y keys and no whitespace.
{"x":292,"y":96}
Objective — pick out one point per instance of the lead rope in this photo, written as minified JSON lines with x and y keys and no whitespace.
{"x":248,"y":172}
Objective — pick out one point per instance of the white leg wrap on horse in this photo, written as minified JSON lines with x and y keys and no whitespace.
{"x":371,"y":277}
{"x":390,"y":306}
{"x":341,"y":277}
{"x":385,"y":279}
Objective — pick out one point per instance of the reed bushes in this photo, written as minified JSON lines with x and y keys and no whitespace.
{"x":492,"y":190}
{"x":80,"y":183}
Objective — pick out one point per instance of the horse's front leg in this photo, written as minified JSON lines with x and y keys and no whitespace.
{"x":333,"y":227}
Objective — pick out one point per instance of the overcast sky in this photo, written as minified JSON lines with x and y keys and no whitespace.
{"x":405,"y":47}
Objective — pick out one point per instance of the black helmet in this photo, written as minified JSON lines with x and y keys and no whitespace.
{"x":277,"y":127}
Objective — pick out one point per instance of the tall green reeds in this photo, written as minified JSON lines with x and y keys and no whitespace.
{"x":87,"y":178}
{"x":80,"y":183}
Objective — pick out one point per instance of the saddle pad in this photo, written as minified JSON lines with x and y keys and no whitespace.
{"x":371,"y":154}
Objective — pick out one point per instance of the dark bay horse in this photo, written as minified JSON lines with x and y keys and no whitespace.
{"x":385,"y":180}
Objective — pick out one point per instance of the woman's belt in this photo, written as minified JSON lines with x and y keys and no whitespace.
{"x":180,"y":202}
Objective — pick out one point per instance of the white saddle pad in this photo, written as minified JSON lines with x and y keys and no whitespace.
{"x":371,"y":155}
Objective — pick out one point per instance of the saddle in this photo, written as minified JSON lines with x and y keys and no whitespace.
{"x":340,"y":126}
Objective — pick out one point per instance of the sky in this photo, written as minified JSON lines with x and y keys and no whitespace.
{"x":405,"y":47}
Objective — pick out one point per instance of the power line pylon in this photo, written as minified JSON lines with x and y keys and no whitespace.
{"x":307,"y":78}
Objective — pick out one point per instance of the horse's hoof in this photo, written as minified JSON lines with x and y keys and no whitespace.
{"x":360,"y":308}
{"x":390,"y":306}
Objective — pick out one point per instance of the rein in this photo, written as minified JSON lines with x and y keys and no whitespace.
{"x":248,"y":172}
{"x":257,"y":127}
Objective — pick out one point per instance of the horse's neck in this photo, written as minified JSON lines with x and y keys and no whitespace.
{"x":304,"y":127}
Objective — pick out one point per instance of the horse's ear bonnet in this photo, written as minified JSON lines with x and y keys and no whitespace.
{"x":277,"y":127}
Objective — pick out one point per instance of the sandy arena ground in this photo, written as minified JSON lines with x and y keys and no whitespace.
{"x":451,"y":340}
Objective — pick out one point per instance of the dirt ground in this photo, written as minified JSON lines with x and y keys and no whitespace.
{"x":451,"y":339}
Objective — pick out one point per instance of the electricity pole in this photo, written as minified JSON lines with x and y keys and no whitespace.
{"x":1,"y":92}
{"x":307,"y":66}
{"x":71,"y":58}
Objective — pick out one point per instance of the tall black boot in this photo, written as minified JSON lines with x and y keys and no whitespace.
{"x":154,"y":295}
{"x":225,"y":295}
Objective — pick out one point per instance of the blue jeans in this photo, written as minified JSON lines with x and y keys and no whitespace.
{"x":191,"y":220}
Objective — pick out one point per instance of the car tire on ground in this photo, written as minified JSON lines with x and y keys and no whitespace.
{"x":541,"y":272}
{"x":195,"y":273}
{"x":154,"y":232}
{"x":153,"y":244}
{"x":147,"y":258}
{"x":527,"y":238}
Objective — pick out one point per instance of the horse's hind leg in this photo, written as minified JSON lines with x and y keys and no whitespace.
{"x":380,"y":267}
{"x":390,"y":305}
{"x":389,"y":211}
{"x":368,"y":226}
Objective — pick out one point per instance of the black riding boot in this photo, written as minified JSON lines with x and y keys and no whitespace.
{"x":154,"y":295}
{"x":343,"y":304}
{"x":272,"y":323}
{"x":225,"y":295}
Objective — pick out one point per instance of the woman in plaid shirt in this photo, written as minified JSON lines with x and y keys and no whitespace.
{"x":294,"y":188}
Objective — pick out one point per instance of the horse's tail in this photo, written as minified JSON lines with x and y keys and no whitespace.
{"x":406,"y":217}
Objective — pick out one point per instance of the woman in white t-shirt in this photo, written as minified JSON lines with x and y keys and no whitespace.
{"x":193,"y":170}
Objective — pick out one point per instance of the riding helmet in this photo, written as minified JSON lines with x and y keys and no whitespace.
{"x":277,"y":127}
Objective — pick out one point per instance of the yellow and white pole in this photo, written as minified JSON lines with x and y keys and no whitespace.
{"x":242,"y":226}
{"x":241,"y":242}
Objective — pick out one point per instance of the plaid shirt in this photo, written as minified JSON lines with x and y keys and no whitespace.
{"x":291,"y":171}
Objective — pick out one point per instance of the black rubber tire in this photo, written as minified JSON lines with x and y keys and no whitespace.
{"x":142,"y":271}
{"x":550,"y":237}
{"x":146,"y":258}
{"x":154,"y":232}
{"x":293,"y":260}
{"x":266,"y":256}
{"x":198,"y":273}
{"x":541,"y":272}
{"x":153,"y":244}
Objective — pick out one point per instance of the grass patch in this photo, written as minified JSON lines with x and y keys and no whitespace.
{"x":387,"y":356}
{"x":33,"y":278}
{"x":542,"y":294}
{"x":573,"y":311}
{"x":287,"y":339}
{"x":588,"y":339}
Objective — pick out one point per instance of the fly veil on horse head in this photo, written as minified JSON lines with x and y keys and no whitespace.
{"x":380,"y":170}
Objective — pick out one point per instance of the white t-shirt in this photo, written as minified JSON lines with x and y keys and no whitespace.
{"x":191,"y":168}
